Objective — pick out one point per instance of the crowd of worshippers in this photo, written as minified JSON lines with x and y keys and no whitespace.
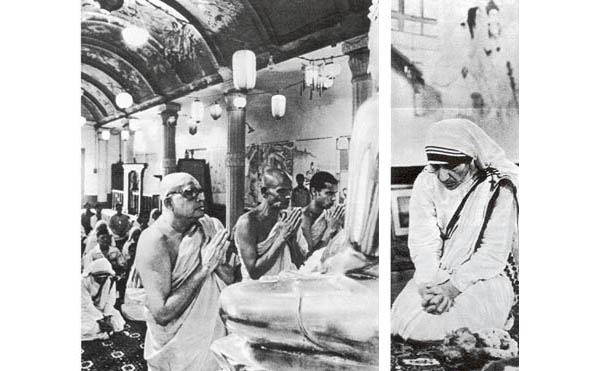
{"x":154,"y":268}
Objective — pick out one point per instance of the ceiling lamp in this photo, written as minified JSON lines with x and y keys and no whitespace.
{"x":332,"y":69}
{"x":105,"y":134}
{"x":124,"y":100}
{"x":278,"y":106}
{"x":239,"y":102}
{"x":244,"y":69}
{"x":215,"y":111}
{"x":125,"y":134}
{"x":135,"y":124}
{"x":311,"y":74}
{"x":193,"y":128}
{"x":197,"y":110}
{"x":135,"y":36}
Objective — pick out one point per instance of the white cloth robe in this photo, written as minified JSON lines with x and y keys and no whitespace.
{"x":183,"y":344}
{"x":486,"y":292}
{"x":282,"y":262}
{"x":91,"y":313}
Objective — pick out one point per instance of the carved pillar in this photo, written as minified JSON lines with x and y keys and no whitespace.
{"x":362,"y":83}
{"x":102,"y":169}
{"x":169,"y":119}
{"x":235,"y":162}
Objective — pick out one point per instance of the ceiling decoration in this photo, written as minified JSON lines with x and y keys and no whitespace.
{"x":190,"y":41}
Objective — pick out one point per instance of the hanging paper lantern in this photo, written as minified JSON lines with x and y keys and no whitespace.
{"x":278,"y":106}
{"x":135,"y":124}
{"x":311,"y":74}
{"x":244,"y":69}
{"x":197,"y":111}
{"x":124,"y":100}
{"x":239,"y":102}
{"x":124,"y":135}
{"x":215,"y":111}
{"x":105,"y":134}
{"x":193,"y":129}
{"x":135,"y":36}
{"x":332,"y":69}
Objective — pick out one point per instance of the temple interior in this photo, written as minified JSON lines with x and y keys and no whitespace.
{"x":219,"y":90}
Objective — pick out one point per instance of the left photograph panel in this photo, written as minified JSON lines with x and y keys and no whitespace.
{"x":229,"y":185}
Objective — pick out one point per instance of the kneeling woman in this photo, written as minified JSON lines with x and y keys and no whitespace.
{"x":463,"y":236}
{"x":99,"y":318}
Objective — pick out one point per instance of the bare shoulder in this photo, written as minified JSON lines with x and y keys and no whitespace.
{"x":245,"y":224}
{"x":152,"y":248}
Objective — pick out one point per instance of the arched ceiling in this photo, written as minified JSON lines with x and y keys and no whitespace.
{"x":192,"y":40}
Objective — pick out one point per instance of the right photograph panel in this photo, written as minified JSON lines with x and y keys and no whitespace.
{"x":454,"y":191}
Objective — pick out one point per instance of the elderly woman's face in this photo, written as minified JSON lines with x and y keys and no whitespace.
{"x":452,"y":175}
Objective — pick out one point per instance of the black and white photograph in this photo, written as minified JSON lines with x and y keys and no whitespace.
{"x":229,"y":185}
{"x":455,"y":130}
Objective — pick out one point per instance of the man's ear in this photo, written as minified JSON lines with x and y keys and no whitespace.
{"x":167,"y":203}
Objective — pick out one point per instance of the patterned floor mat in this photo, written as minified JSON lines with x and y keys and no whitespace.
{"x":123,"y":352}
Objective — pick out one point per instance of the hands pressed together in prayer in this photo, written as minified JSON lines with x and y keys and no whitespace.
{"x":105,"y":325}
{"x":213,"y":254}
{"x":290,"y":222}
{"x":335,"y":219}
{"x":438,"y":299}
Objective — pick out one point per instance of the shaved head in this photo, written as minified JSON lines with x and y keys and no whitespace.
{"x":174,"y":182}
{"x":274,"y":178}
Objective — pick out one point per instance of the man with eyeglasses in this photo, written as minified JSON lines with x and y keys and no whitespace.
{"x":264,"y":236}
{"x":181,"y":263}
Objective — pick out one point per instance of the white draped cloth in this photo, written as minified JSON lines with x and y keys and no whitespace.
{"x":98,"y":301}
{"x":283,"y":260}
{"x":472,"y":253}
{"x":183,"y":344}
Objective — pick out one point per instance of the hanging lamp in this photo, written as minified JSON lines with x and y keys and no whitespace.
{"x":215,"y":111}
{"x":244,"y":69}
{"x":278,"y":106}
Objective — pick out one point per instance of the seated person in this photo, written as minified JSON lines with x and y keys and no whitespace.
{"x":104,"y":249}
{"x":99,"y":318}
{"x":97,"y":216}
{"x":85,"y":218}
{"x":462,"y":230}
{"x":266,"y":240}
{"x":320,"y":220}
{"x":119,"y":225}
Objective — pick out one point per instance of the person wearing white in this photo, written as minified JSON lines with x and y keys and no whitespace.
{"x":99,"y":317}
{"x":463,"y":236}
{"x":180,"y":260}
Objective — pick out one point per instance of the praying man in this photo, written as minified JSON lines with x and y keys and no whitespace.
{"x":181,"y":263}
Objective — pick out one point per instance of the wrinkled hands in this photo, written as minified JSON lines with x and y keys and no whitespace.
{"x":213,"y":254}
{"x":438,"y":299}
{"x":104,"y":325}
{"x":290,"y":222}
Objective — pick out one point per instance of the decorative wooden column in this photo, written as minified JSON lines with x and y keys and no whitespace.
{"x":235,"y":162}
{"x":362,"y":83}
{"x":169,"y":119}
{"x":139,"y":170}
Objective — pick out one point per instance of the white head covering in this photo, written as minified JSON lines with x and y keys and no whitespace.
{"x":98,"y":266}
{"x":454,"y":137}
